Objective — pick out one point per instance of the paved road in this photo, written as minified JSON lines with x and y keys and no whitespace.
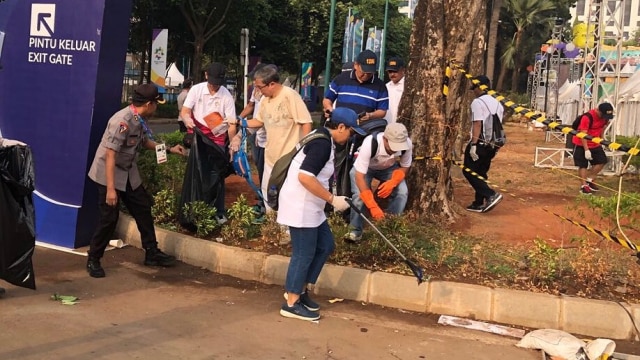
{"x":161,"y":126}
{"x":190,"y":313}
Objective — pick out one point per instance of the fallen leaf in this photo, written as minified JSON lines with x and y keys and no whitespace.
{"x":335,"y":300}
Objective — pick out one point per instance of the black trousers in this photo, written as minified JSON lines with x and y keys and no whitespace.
{"x":481,"y":167}
{"x":139,"y":203}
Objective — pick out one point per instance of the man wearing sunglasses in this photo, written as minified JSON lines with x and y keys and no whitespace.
{"x":283,"y":114}
{"x":395,"y":86}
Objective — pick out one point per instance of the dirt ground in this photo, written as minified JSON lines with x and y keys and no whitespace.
{"x":520,"y":217}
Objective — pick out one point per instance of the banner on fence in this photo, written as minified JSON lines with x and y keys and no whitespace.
{"x":305,"y":86}
{"x":159,"y":56}
{"x":353,"y":36}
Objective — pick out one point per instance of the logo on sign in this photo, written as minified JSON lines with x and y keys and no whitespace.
{"x":43,"y":19}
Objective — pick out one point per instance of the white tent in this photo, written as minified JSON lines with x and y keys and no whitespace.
{"x":568,"y":101}
{"x":173,"y":76}
{"x":627,"y":120}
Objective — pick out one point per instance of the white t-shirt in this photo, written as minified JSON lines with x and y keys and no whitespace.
{"x":481,"y":110}
{"x":381,"y":160}
{"x":261,"y":134}
{"x":395,"y":93}
{"x":202,"y":103}
{"x":181,"y":97}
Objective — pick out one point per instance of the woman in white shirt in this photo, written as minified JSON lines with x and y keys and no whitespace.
{"x":302,"y":201}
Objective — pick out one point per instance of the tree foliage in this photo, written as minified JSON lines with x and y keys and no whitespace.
{"x":285,"y":33}
{"x":532,"y":36}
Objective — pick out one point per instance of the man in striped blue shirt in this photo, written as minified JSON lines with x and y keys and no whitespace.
{"x":363,"y":92}
{"x":359,"y":89}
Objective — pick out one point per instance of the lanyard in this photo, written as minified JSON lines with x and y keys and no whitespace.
{"x":146,"y":129}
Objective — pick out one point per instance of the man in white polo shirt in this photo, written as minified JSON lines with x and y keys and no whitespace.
{"x":395,"y":86}
{"x":208,"y":107}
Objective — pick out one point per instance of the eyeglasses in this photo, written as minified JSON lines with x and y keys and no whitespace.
{"x":260,"y":87}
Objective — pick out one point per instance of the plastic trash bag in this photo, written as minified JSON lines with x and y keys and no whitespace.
{"x":207,"y":167}
{"x":17,"y":215}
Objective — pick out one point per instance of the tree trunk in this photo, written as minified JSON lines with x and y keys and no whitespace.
{"x":492,"y":46}
{"x":198,"y":46}
{"x":515,"y":75}
{"x":435,"y":122}
{"x":503,"y":73}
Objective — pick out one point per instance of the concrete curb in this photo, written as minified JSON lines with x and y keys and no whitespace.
{"x":595,"y":318}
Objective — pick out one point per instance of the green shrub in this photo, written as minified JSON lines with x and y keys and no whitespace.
{"x":168,"y":111}
{"x":242,"y":221}
{"x":544,"y":263}
{"x":202,"y":216}
{"x":164,"y":207}
{"x":168,"y":175}
{"x":630,"y":142}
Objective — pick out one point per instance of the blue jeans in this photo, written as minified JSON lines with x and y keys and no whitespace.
{"x":311,"y":247}
{"x":397,"y":199}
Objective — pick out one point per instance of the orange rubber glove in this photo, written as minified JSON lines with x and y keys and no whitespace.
{"x":385,"y":189}
{"x":372,"y":205}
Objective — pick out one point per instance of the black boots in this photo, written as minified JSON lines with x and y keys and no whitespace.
{"x":155,"y":257}
{"x":94,"y":268}
{"x":152,"y":257}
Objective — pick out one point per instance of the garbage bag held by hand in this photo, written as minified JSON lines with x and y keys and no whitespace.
{"x":17,"y":216}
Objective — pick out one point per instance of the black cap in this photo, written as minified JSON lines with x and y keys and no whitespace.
{"x":606,"y":109}
{"x":348,"y":66}
{"x":482,"y":80}
{"x":215,"y":74}
{"x":368,"y":61}
{"x":145,"y":93}
{"x":394,"y":63}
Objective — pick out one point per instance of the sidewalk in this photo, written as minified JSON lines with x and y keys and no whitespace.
{"x":184,"y":312}
{"x":596,"y":318}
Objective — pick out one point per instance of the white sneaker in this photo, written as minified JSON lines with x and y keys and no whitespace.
{"x":353,"y":237}
{"x":285,"y":238}
{"x":221,"y":219}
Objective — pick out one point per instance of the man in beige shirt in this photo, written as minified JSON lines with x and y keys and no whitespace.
{"x":284,"y":116}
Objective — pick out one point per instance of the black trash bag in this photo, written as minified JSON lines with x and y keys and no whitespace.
{"x":207,"y":167}
{"x":341,"y":181}
{"x":17,"y":216}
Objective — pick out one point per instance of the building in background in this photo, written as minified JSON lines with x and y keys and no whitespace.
{"x":631,"y":20}
{"x":408,"y":7}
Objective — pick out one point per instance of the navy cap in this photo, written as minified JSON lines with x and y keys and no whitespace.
{"x":348,"y":117}
{"x":606,"y":109}
{"x":368,"y":61}
{"x":394,"y":63}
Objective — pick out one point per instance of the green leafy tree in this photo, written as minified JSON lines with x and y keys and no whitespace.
{"x":523,"y":14}
{"x":205,"y":19}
